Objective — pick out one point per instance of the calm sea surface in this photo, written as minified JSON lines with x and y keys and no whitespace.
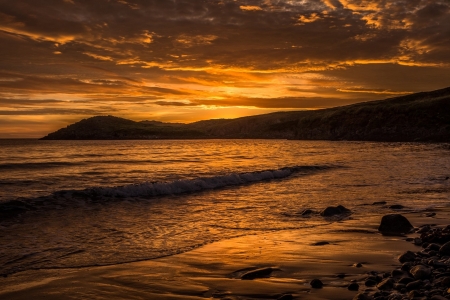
{"x":86,"y":203}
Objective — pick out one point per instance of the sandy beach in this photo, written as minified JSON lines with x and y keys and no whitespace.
{"x":213,"y":271}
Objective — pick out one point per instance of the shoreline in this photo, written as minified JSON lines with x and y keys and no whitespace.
{"x":331,"y":253}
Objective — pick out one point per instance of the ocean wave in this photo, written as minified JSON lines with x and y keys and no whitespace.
{"x":69,"y":198}
{"x":154,"y":189}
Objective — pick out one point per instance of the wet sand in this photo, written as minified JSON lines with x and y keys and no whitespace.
{"x":213,"y":271}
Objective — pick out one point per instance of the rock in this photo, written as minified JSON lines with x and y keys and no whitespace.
{"x":399,"y":286}
{"x":420,"y":272}
{"x":395,"y":224}
{"x":334,"y":210}
{"x":320,"y":243}
{"x":407,"y":266}
{"x":445,"y":249}
{"x":437,"y":297}
{"x":286,"y":297}
{"x":414,"y":285}
{"x":379,"y":203}
{"x":397,"y":273}
{"x":258,"y":273}
{"x":414,"y":294}
{"x":396,"y":206}
{"x":353,"y":286}
{"x":418,"y":241}
{"x":362,"y":296}
{"x":306,"y":212}
{"x":386,"y":284}
{"x":429,"y":215}
{"x":394,"y":296}
{"x":370,"y":282}
{"x":424,"y":228}
{"x":407,"y":257}
{"x":442,"y":281}
{"x":405,"y":280}
{"x":357,"y":265}
{"x":434,"y":247}
{"x":316,"y":284}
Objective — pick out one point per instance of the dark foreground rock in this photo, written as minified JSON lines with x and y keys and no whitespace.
{"x":316,"y":284}
{"x":395,"y":224}
{"x":424,"y":274}
{"x":334,"y":210}
{"x":258,"y":273}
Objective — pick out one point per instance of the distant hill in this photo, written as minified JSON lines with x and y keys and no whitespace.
{"x":417,"y":117}
{"x":114,"y":128}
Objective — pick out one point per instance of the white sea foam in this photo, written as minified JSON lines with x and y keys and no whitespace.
{"x":155,"y":189}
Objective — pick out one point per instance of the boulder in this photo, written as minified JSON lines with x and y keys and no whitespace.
{"x":395,"y":224}
{"x":334,"y":210}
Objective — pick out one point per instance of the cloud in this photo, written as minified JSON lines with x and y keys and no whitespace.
{"x":119,"y":54}
{"x":250,"y":8}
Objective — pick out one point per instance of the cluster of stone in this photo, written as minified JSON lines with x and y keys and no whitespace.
{"x":424,"y":274}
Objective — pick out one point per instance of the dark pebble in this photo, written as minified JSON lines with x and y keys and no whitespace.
{"x":396,"y":206}
{"x":362,"y":296}
{"x":353,"y":286}
{"x":438,"y":297}
{"x":414,"y":285}
{"x":397,"y":273}
{"x":370,"y":282}
{"x":445,"y":249}
{"x":322,"y":243}
{"x":407,"y":256}
{"x":406,"y":280}
{"x":386,"y":284}
{"x":306,"y":212}
{"x":286,"y":297}
{"x":258,"y":273}
{"x":316,"y":284}
{"x":406,"y":266}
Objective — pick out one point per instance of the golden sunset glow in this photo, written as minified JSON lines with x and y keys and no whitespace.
{"x":183,"y":60}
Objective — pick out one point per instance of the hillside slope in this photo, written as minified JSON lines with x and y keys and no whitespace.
{"x":111,"y":128}
{"x":417,"y":117}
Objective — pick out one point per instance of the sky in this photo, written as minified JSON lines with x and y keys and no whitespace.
{"x":189,"y":60}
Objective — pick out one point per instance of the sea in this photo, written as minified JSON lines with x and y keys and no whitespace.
{"x":71,"y":204}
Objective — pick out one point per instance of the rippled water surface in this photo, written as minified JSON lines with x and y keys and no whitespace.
{"x":84,"y":203}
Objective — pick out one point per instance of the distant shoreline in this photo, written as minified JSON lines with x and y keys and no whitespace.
{"x":420,"y":117}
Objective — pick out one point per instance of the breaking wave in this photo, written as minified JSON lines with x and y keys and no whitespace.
{"x":154,"y":189}
{"x":68,"y":198}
